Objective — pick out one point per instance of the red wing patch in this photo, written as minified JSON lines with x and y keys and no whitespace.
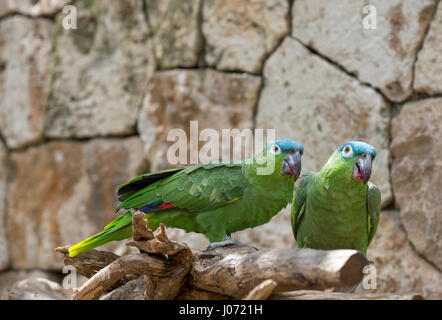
{"x":163,"y":206}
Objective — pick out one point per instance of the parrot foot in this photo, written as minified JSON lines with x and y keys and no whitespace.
{"x":227,"y":241}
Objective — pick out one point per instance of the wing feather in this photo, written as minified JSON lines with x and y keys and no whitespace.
{"x":201,"y":187}
{"x":299,"y":202}
{"x":127,"y":189}
{"x":374,"y":209}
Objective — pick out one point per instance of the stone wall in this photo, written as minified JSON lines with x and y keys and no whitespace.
{"x":84,"y":110}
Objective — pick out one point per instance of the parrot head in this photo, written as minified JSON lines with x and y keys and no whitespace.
{"x":354,"y":159}
{"x":281,"y":158}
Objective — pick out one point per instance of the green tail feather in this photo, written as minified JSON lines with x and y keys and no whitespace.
{"x":118,"y":229}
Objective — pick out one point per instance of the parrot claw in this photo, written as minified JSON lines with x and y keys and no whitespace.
{"x":227,"y":241}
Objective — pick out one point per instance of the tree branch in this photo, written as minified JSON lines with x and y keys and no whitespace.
{"x":132,"y":264}
{"x":262,"y":291}
{"x":321,"y":295}
{"x":172,"y":271}
{"x":163,"y":263}
{"x":235,"y":271}
{"x":90,"y":262}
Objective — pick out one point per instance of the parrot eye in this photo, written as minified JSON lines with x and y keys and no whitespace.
{"x":347,"y":152}
{"x":275,"y":149}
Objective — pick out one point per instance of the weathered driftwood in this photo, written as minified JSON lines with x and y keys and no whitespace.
{"x":192,"y":293}
{"x":90,"y":262}
{"x":108,"y":276}
{"x":132,"y":290}
{"x":321,"y":295}
{"x":171,"y":271}
{"x":179,"y":257}
{"x":262,"y":291}
{"x":163,"y":263}
{"x":139,"y":230}
{"x":135,"y":290}
{"x":235,"y":271}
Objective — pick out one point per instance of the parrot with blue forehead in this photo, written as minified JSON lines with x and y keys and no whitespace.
{"x":214,"y":198}
{"x":337,"y":207}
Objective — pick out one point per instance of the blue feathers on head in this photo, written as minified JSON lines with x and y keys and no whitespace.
{"x":359,"y":147}
{"x":287,"y":144}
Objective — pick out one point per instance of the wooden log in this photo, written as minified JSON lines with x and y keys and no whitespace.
{"x":90,"y":262}
{"x":139,"y":229}
{"x":178,"y":255}
{"x":321,"y":295}
{"x":137,"y":264}
{"x":132,"y":290}
{"x":230,"y":272}
{"x":192,"y":293}
{"x":163,"y":263}
{"x":234,"y":271}
{"x":171,"y":270}
{"x":262,"y":291}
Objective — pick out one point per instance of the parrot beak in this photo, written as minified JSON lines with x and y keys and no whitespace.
{"x":362,"y":168}
{"x":291,"y":164}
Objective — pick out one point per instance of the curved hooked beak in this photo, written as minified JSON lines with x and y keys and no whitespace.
{"x":291,"y":164}
{"x":362,"y":168}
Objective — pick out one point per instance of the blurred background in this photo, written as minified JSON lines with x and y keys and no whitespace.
{"x":83,"y":110}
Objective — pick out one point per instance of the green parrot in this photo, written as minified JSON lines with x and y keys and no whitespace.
{"x":214,"y":198}
{"x":337,"y":208}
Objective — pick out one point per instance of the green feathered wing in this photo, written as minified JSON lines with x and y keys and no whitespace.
{"x":197,"y":188}
{"x":176,"y":196}
{"x":299,"y":202}
{"x":374,"y":209}
{"x":127,"y":189}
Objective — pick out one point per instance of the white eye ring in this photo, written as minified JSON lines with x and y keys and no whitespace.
{"x":275,"y":149}
{"x":347,"y":151}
